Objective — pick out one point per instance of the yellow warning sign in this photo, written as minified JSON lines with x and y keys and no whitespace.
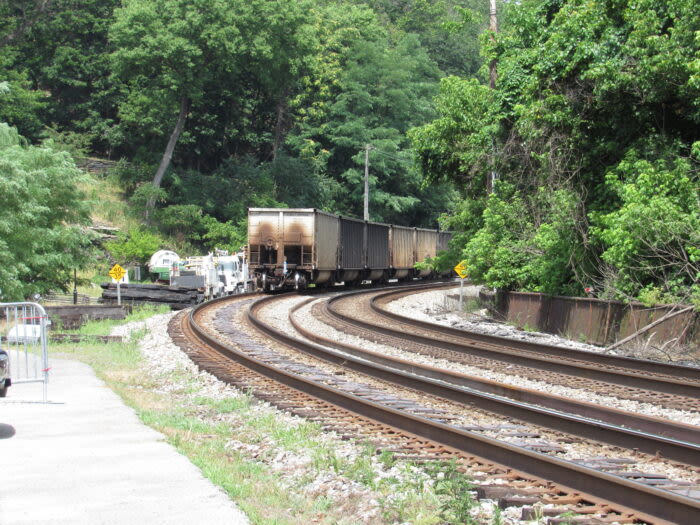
{"x":461,"y":270}
{"x":117,"y":272}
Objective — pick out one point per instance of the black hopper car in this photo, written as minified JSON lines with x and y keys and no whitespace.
{"x":292,"y":248}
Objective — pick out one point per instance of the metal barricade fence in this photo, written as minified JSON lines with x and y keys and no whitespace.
{"x":25,"y":339}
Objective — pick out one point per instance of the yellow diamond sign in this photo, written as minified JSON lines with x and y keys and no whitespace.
{"x":117,"y":272}
{"x":461,"y":270}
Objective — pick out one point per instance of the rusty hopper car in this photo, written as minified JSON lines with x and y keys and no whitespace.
{"x":378,"y":252}
{"x":292,"y":248}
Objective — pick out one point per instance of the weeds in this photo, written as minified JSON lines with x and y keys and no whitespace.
{"x":497,"y":516}
{"x":139,"y":313}
{"x":453,"y":487}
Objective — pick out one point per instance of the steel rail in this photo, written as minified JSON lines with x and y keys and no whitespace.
{"x":656,"y":368}
{"x":673,"y":440}
{"x":505,"y":354}
{"x":649,"y":503}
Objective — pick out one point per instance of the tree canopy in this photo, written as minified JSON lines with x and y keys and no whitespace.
{"x":592,"y":131}
{"x":41,"y":210}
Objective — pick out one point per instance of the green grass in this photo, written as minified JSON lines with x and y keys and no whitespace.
{"x":108,"y":202}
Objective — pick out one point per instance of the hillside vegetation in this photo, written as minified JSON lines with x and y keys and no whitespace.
{"x":211,"y":106}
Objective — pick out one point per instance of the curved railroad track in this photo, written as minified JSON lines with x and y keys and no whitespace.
{"x":663,"y":384}
{"x":412,"y":430}
{"x":673,"y":440}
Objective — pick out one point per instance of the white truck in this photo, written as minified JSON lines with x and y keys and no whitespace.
{"x":215,"y":275}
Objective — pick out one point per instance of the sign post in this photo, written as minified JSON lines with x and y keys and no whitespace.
{"x":461,"y":270}
{"x":117,"y":273}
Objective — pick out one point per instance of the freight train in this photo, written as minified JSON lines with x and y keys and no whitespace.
{"x":293,"y":248}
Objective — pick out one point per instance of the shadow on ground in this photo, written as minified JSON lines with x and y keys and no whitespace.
{"x":6,"y":431}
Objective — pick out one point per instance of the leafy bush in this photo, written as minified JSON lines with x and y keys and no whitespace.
{"x":528,"y":242}
{"x":182,"y":220}
{"x":41,"y":210}
{"x":225,"y":235}
{"x":132,"y":175}
{"x":652,"y":240}
{"x":145,"y":193}
{"x":135,"y":246}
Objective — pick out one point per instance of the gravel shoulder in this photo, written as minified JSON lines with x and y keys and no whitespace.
{"x":343,"y":481}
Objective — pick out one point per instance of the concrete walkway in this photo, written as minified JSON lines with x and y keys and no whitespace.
{"x":85,"y":458}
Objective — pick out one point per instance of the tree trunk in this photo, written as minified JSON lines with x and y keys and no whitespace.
{"x":168,"y":155}
{"x":184,"y":108}
{"x":279,"y":124}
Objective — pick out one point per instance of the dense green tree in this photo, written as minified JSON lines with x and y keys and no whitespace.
{"x":457,"y":146}
{"x":583,"y":86}
{"x":66,"y":54}
{"x":41,"y":210}
{"x":167,"y":51}
{"x":527,"y":241}
{"x":447,"y":29}
{"x":228,"y":68}
{"x":651,"y":243}
{"x":18,"y":17}
{"x":20,"y":104}
{"x":371,"y":91}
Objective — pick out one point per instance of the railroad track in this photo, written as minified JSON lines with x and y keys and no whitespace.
{"x":662,"y":384}
{"x":624,"y":429}
{"x":418,"y":431}
{"x":662,"y":371}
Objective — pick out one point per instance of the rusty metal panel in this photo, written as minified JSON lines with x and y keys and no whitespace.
{"x":263,"y":224}
{"x":402,"y":246}
{"x":297,"y":227}
{"x":636,"y":316}
{"x":426,"y":244}
{"x":352,"y":244}
{"x":377,"y":246}
{"x":327,"y":237}
{"x":594,"y":320}
{"x":523,"y":309}
{"x":578,"y":318}
{"x":263,"y":236}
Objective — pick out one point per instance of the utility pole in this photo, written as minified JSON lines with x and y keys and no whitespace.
{"x":367,"y":148}
{"x":493,"y":26}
